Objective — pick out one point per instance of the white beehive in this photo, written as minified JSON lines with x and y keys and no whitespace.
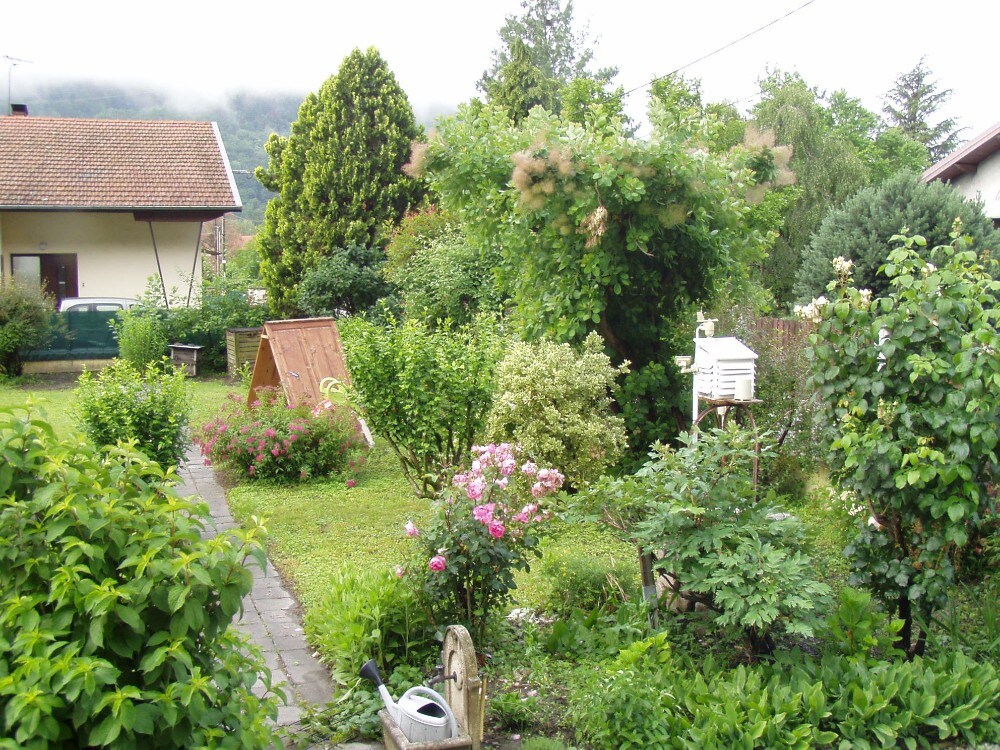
{"x":725,"y":369}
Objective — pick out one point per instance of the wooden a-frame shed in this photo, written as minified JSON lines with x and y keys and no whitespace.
{"x":297,"y":355}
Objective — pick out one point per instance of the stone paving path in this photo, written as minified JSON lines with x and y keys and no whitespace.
{"x":271,"y":617}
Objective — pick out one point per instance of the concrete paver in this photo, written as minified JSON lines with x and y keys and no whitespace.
{"x":272,"y":617}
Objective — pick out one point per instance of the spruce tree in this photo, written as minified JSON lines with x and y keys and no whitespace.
{"x":557,"y":53}
{"x":910,"y":105}
{"x":338,"y":174}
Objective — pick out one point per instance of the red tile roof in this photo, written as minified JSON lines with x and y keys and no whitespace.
{"x":66,"y":163}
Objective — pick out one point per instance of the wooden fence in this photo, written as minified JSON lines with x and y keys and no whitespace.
{"x":788,"y":332}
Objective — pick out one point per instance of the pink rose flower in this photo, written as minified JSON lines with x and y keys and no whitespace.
{"x":399,"y":571}
{"x":411,"y":529}
{"x":483,"y":513}
{"x":537,"y":489}
{"x":476,"y":488}
{"x":529,"y":469}
{"x":351,"y":483}
{"x":496,"y":530}
{"x":437,"y":563}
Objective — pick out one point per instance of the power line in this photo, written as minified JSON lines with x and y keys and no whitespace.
{"x":720,"y":49}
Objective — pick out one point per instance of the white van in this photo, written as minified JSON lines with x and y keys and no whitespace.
{"x":101,"y":304}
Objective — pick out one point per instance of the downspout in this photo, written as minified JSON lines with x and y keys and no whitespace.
{"x":194,"y":265}
{"x":163,"y":283}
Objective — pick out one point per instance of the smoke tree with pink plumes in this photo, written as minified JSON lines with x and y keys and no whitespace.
{"x":483,"y":530}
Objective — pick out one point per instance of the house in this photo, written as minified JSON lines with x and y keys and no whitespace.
{"x":973,"y":169}
{"x":96,"y":208}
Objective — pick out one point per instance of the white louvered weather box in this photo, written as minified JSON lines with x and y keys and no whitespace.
{"x":724,"y":369}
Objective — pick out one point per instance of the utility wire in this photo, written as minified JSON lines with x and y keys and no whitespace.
{"x":720,"y":49}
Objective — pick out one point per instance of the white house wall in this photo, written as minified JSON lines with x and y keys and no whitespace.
{"x":114,"y":251}
{"x":984,"y":183}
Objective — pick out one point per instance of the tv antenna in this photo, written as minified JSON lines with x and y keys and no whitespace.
{"x":12,"y":62}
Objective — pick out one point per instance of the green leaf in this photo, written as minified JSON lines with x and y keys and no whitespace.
{"x":106,"y":732}
{"x":176,"y":597}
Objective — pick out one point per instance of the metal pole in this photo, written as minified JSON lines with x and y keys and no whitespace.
{"x":194,"y":265}
{"x":156,"y":253}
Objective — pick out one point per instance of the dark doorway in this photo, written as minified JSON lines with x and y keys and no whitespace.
{"x":56,"y":273}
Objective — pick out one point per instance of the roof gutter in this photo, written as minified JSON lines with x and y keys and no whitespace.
{"x":229,"y":169}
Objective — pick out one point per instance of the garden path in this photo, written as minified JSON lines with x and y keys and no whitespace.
{"x":271,"y":617}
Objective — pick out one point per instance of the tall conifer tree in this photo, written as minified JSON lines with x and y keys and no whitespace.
{"x":338,"y":175}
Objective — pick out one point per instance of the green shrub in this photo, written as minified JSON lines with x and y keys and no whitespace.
{"x":369,"y":614}
{"x":861,"y":230}
{"x":223,"y":304}
{"x":114,"y":612}
{"x":715,"y":544}
{"x":910,"y":382}
{"x":439,"y":274}
{"x":269,"y":440}
{"x":345,"y":281}
{"x":597,"y":634}
{"x":647,"y":698}
{"x":141,"y":339}
{"x":427,"y":392}
{"x":581,"y":580}
{"x":122,"y":403}
{"x":513,"y":710}
{"x":555,"y":403}
{"x":25,"y":322}
{"x":354,"y":713}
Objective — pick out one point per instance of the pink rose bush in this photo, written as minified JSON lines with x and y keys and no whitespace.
{"x":483,"y":532}
{"x":269,"y":440}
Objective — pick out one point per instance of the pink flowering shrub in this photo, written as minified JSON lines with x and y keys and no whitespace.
{"x":483,"y":531}
{"x":269,"y":440}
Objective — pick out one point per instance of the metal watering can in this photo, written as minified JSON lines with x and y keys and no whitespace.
{"x":421,"y":714}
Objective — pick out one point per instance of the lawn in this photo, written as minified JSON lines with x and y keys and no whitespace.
{"x":53,"y":395}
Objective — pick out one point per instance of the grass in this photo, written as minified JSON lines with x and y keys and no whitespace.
{"x":315,"y":527}
{"x":53,"y":394}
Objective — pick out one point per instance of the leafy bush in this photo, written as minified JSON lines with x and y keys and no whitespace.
{"x":369,"y":614}
{"x":910,"y":384}
{"x":354,"y":713}
{"x":439,"y":273}
{"x":513,"y":710}
{"x":647,"y":698}
{"x":597,"y":634}
{"x":862,"y":230}
{"x":345,"y":281}
{"x":223,"y":304}
{"x":114,"y":612}
{"x":150,"y":407}
{"x":25,"y":321}
{"x":483,"y":530}
{"x":583,"y":581}
{"x":555,"y":403}
{"x":269,"y":440}
{"x":141,"y":339}
{"x":427,"y":392}
{"x":694,"y":509}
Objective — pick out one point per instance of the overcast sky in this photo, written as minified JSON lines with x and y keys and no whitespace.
{"x":439,"y":48}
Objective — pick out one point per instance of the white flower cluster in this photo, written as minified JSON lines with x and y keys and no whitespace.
{"x":842,"y":266}
{"x":812,"y":311}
